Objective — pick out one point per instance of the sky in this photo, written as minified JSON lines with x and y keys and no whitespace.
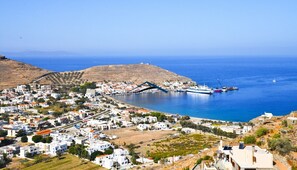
{"x":148,"y":28}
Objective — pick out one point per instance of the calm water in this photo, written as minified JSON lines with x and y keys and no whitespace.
{"x":253,"y":76}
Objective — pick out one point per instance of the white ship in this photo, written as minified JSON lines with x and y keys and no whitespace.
{"x":200,"y":89}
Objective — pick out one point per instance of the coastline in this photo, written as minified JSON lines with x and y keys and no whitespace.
{"x":194,"y":119}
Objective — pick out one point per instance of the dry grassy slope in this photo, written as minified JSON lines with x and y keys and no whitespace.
{"x":275,"y":127}
{"x":13,"y":73}
{"x":137,"y":73}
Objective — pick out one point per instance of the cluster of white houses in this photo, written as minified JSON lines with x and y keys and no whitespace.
{"x":85,"y":126}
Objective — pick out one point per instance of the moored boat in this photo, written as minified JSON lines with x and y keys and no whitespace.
{"x":217,"y":90}
{"x":200,"y":89}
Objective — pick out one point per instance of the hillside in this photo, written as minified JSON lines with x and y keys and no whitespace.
{"x":13,"y":73}
{"x":67,"y":161}
{"x":279,"y":136}
{"x":137,"y":73}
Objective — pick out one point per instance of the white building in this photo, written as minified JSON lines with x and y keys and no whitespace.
{"x":56,"y":147}
{"x":292,"y":121}
{"x":90,"y":93}
{"x":118,"y":159}
{"x":52,"y":148}
{"x":56,"y":95}
{"x":160,"y":126}
{"x":98,"y":145}
{"x":188,"y":130}
{"x":244,"y":158}
{"x":28,"y":149}
{"x":65,"y":137}
{"x":267,"y":115}
{"x":8,"y":109}
{"x":143,"y":127}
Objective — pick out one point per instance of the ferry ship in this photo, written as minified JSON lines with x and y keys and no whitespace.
{"x":200,"y":89}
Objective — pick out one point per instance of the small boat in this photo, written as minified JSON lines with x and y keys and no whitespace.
{"x":273,"y":81}
{"x":224,"y":89}
{"x":217,"y":90}
{"x":232,"y":88}
{"x":200,"y":89}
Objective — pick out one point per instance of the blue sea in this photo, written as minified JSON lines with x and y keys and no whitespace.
{"x":253,"y":75}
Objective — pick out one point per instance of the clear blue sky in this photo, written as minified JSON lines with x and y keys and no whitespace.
{"x":149,"y":28}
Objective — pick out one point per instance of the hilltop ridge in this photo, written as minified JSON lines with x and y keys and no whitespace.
{"x":14,"y":73}
{"x":137,"y":73}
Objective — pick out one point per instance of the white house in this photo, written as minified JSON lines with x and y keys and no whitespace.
{"x":143,"y":127}
{"x":292,"y":121}
{"x":118,"y":159}
{"x":90,"y":93}
{"x":98,"y":145}
{"x":8,"y":109}
{"x":160,"y":126}
{"x":28,"y":149}
{"x":267,"y":115}
{"x":244,"y":157}
{"x":65,"y":137}
{"x":52,"y":148}
{"x":80,"y":140}
{"x":246,"y":129}
{"x":188,"y":130}
{"x":56,"y":147}
{"x":56,"y":95}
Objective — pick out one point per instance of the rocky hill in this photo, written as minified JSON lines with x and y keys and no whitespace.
{"x":13,"y":73}
{"x":137,"y":73}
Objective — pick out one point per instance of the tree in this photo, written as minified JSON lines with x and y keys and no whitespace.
{"x":5,"y":117}
{"x":48,"y":139}
{"x":109,"y":151}
{"x":21,"y":133}
{"x":72,"y":150}
{"x":261,"y":132}
{"x":283,"y":146}
{"x":4,"y":161}
{"x":3,"y":133}
{"x":43,"y":140}
{"x":37,"y":138}
{"x":40,"y":100}
{"x":24,"y":139}
{"x":57,"y":114}
{"x":160,"y":116}
{"x":95,"y":154}
{"x":249,"y":139}
{"x":85,"y":154}
{"x":185,"y":117}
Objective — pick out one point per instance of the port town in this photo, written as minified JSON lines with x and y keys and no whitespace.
{"x":148,"y":85}
{"x":60,"y":114}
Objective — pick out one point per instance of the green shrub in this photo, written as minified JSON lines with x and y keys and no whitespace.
{"x":285,"y":123}
{"x":36,"y":138}
{"x":259,"y":143}
{"x":261,"y":132}
{"x":249,"y":139}
{"x":24,"y":139}
{"x":276,"y":136}
{"x":282,"y":146}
